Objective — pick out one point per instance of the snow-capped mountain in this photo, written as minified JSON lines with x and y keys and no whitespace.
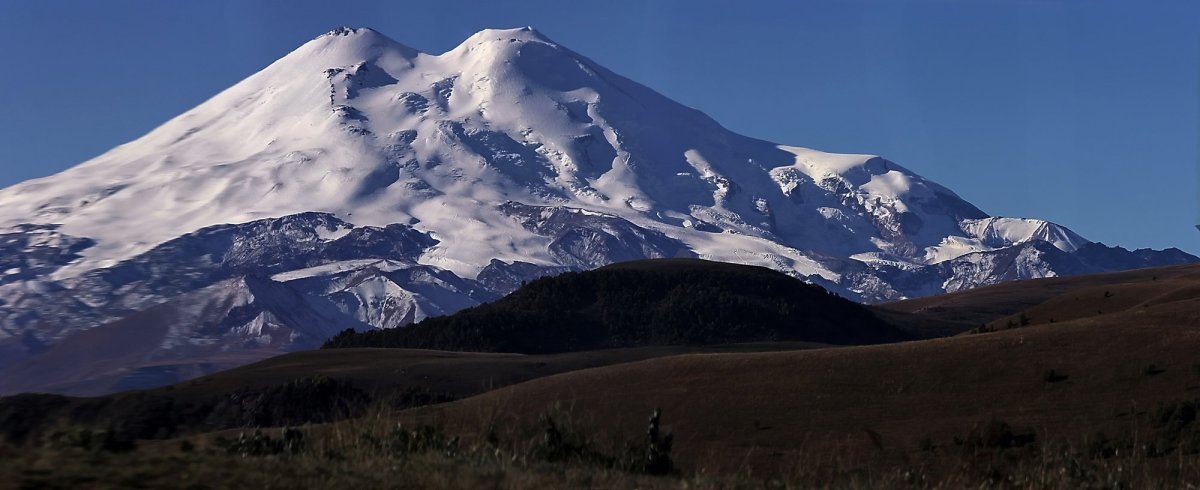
{"x":390,"y":184}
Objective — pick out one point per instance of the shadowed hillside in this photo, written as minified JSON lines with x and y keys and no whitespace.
{"x":1096,"y":399}
{"x":312,"y":386}
{"x":644,"y":303}
{"x":1065,"y":383}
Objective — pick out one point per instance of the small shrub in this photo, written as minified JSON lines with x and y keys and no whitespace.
{"x":652,"y":455}
{"x":260,"y":444}
{"x":558,"y":445}
{"x":22,"y":417}
{"x":309,"y":400}
{"x":92,"y":440}
{"x":649,"y":455}
{"x":996,"y":434}
{"x":1052,"y":376}
{"x":1175,"y":428}
{"x":1153,"y":370}
{"x":1174,"y":415}
{"x":401,"y":441}
{"x":1100,"y":446}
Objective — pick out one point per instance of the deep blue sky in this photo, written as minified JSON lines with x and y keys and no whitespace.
{"x":1083,"y":112}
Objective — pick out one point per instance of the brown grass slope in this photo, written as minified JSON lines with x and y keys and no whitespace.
{"x":383,"y":371}
{"x":767,"y":410}
{"x":849,"y":417}
{"x":975,"y":307}
{"x":1166,"y":296}
{"x":381,"y":377}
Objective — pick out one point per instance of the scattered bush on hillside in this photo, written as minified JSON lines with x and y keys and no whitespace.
{"x":22,"y":415}
{"x":994,"y":452}
{"x":1175,"y":428}
{"x":1052,"y":376}
{"x":649,"y":455}
{"x":996,"y":434}
{"x":1153,"y":370}
{"x":652,"y":455}
{"x":559,"y":444}
{"x":1101,"y":446}
{"x":291,"y":441}
{"x":91,"y":440}
{"x":308,"y":400}
{"x":402,"y":441}
{"x":415,"y":396}
{"x":152,"y":415}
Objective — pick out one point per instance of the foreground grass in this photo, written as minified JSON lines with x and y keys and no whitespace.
{"x":205,"y":469}
{"x":375,"y":452}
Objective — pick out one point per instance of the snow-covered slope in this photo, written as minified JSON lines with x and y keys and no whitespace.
{"x":398,"y":184}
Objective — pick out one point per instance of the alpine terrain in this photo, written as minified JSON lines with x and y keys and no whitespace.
{"x":359,"y":183}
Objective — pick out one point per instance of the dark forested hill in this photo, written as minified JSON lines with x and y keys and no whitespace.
{"x":640,"y":303}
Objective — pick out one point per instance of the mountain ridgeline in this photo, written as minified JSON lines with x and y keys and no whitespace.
{"x":641,"y":303}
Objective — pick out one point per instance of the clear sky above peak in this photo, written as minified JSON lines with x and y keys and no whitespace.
{"x":1083,"y":112}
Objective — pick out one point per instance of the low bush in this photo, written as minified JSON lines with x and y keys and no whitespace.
{"x":403,"y":441}
{"x":291,"y":441}
{"x":308,"y":400}
{"x":1052,"y":376}
{"x":650,"y":455}
{"x":92,"y":440}
{"x":996,"y":434}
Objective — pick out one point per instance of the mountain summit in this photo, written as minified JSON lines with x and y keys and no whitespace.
{"x":391,"y":184}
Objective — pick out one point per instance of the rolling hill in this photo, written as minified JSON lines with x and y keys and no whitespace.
{"x":1063,"y":381}
{"x":643,"y":303}
{"x":1065,"y":403}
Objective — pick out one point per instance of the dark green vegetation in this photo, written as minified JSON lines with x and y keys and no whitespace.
{"x":643,"y":303}
{"x":158,"y":415}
